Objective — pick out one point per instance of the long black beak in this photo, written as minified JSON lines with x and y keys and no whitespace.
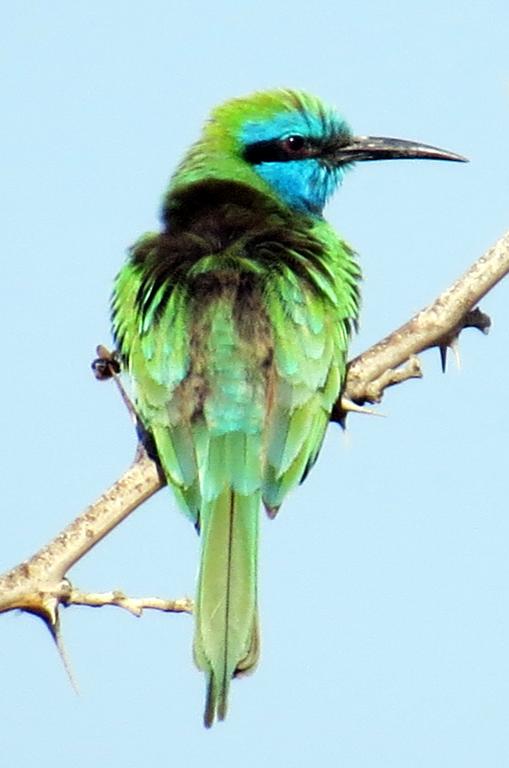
{"x":360,"y":148}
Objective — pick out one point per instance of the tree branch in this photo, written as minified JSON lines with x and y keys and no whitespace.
{"x":135,"y":605}
{"x":39,"y":585}
{"x":438,"y":325}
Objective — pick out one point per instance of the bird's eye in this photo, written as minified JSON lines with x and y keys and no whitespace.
{"x":294,"y":144}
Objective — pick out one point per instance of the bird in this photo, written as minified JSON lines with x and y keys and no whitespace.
{"x":232,"y":323}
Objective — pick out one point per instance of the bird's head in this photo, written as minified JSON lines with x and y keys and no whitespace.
{"x":290,"y":144}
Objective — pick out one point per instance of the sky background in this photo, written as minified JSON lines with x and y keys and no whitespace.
{"x":384,"y":581}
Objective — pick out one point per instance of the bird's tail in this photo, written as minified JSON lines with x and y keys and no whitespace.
{"x":226,"y":635}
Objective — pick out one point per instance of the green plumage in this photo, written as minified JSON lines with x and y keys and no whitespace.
{"x":233,"y":323}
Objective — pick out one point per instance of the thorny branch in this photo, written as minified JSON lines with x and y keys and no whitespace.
{"x":39,"y":585}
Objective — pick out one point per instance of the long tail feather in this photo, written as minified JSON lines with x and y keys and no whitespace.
{"x":226,"y":638}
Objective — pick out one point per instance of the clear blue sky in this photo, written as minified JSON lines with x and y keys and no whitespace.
{"x":385,"y":578}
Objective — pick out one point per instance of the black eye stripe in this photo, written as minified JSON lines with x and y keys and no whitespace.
{"x":265,"y":152}
{"x":280,"y":150}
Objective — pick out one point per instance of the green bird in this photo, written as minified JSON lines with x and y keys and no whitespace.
{"x":233,"y":324}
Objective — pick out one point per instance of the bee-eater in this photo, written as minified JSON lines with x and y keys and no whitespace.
{"x":233,"y":323}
